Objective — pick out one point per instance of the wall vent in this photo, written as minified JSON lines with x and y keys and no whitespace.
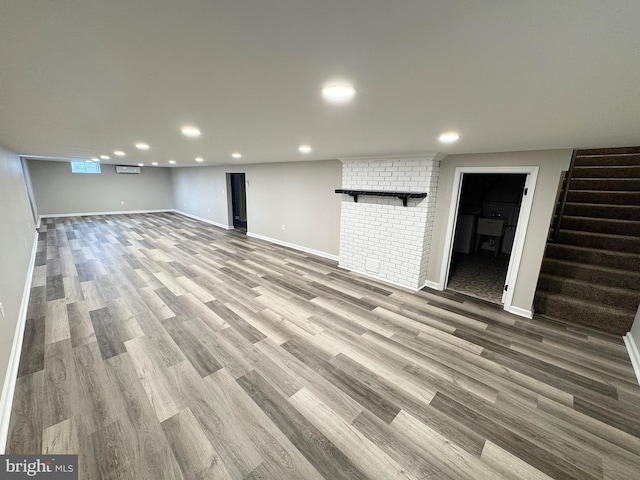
{"x":127,"y":169}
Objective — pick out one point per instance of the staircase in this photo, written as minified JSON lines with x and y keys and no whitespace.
{"x":591,"y":271}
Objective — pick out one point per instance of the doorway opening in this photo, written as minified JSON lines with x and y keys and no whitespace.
{"x":488,"y":212}
{"x":510,"y":196}
{"x":237,"y":187}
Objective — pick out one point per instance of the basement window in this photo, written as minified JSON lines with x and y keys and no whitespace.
{"x":85,"y":167}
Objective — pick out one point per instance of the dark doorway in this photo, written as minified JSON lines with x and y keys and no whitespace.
{"x":239,"y":201}
{"x":488,"y":212}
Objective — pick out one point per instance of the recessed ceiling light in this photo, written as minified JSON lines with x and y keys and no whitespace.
{"x":154,"y":163}
{"x":449,"y":137}
{"x":190,"y":131}
{"x":142,"y":146}
{"x":338,"y":92}
{"x":94,"y":159}
{"x":119,"y":153}
{"x":199,"y":159}
{"x":105,"y":157}
{"x":304,"y":148}
{"x":236,"y":155}
{"x":141,"y":164}
{"x":172,"y":162}
{"x":87,"y":161}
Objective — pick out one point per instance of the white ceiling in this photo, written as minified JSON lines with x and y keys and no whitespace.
{"x":83,"y":78}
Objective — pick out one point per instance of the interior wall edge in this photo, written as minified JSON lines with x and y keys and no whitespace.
{"x":89,"y":214}
{"x":11,"y":375}
{"x":434,"y":285}
{"x":634,"y":353}
{"x":382,"y":280}
{"x":319,"y":253}
{"x":205,"y":220}
{"x":522,"y":312}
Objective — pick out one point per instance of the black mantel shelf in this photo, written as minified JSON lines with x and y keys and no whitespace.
{"x":404,"y":196}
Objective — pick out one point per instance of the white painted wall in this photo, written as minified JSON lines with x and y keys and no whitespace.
{"x":379,"y":236}
{"x":60,"y":192}
{"x":17,"y":239}
{"x":551,"y":163}
{"x":299,"y":196}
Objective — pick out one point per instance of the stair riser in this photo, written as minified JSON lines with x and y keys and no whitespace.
{"x":590,"y":273}
{"x":601,"y":226}
{"x":603,"y":258}
{"x":619,"y":244}
{"x":619,"y":212}
{"x":629,"y":300}
{"x":606,"y":172}
{"x":613,"y":322}
{"x":613,"y":198}
{"x":606,"y":184}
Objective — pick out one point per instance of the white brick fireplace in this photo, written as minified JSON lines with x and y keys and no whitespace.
{"x":379,"y":236}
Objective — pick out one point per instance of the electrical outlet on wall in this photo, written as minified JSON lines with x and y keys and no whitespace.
{"x":283,"y":227}
{"x":121,"y":202}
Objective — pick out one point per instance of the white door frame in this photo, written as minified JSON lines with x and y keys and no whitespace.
{"x":520,"y":234}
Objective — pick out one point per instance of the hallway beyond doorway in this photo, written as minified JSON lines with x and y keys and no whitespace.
{"x":479,"y":275}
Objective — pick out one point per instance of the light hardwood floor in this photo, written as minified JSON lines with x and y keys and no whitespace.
{"x":159,"y":347}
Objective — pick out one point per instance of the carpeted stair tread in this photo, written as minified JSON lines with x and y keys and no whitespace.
{"x":589,"y":291}
{"x":606,"y":171}
{"x":591,"y":270}
{"x":598,"y":210}
{"x":604,"y":241}
{"x":592,"y":314}
{"x":607,"y":160}
{"x":608,"y":197}
{"x":594,"y":256}
{"x":614,"y":277}
{"x":620,"y":151}
{"x":606,"y":184}
{"x":602,"y":225}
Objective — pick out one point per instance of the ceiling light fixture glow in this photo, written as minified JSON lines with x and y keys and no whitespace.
{"x":141,"y":164}
{"x":154,"y":163}
{"x":338,"y":92}
{"x":172,"y":162}
{"x":105,"y":157}
{"x":449,"y":137}
{"x":94,"y":159}
{"x":190,"y":131}
{"x":304,"y":149}
{"x":142,"y":146}
{"x":119,"y":153}
{"x":199,"y":159}
{"x":236,"y":155}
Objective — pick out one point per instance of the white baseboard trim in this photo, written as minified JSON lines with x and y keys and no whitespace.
{"x":522,"y":312}
{"x":380,"y":279}
{"x":205,"y":220}
{"x":294,"y":246}
{"x":434,"y":285}
{"x":89,"y":214}
{"x":11,"y":375}
{"x":634,"y":353}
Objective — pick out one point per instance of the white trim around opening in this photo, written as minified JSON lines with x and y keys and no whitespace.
{"x":520,"y":234}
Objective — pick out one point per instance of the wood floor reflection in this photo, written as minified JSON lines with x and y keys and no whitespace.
{"x":159,"y":347}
